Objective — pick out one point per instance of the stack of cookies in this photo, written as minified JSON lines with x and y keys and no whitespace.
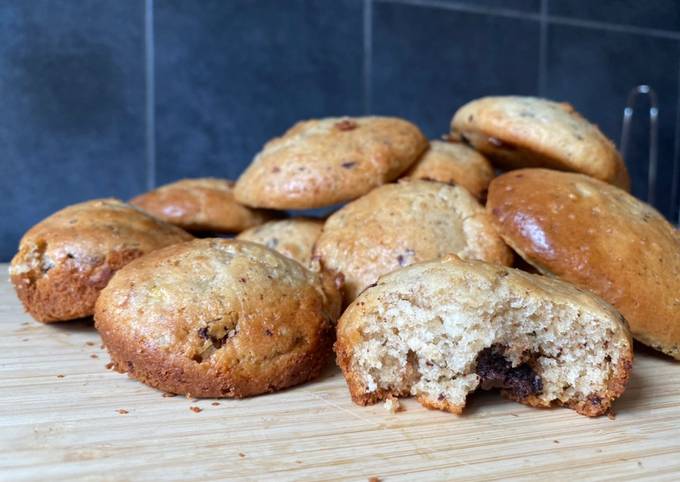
{"x":411,"y":277}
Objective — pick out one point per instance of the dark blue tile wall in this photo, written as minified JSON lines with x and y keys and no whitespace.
{"x":228,"y":75}
{"x":242,"y":71}
{"x":656,"y":14}
{"x":72,"y":107}
{"x":428,"y":62}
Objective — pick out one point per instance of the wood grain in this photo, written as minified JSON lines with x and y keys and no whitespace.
{"x":61,"y":418}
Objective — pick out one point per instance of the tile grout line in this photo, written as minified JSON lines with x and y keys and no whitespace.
{"x":675,"y":202}
{"x":368,"y":55}
{"x":150,"y":98}
{"x":523,"y":15}
{"x":543,"y":50}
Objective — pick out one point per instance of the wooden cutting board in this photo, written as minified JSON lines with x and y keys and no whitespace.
{"x":64,"y":416}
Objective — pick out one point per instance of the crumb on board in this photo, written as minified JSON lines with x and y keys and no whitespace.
{"x":101,"y":346}
{"x":196,"y":409}
{"x":169,"y":395}
{"x":611,"y":415}
{"x":122,"y":411}
{"x":374,"y":479}
{"x":556,"y":441}
{"x":60,"y":376}
{"x":25,"y":323}
{"x":109,"y":365}
{"x":393,"y":405}
{"x":214,"y":404}
{"x":25,"y":339}
{"x":90,"y":343}
{"x":94,"y":355}
{"x":241,"y":454}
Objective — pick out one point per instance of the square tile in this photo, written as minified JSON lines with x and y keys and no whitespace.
{"x":658,"y":14}
{"x":594,"y":70}
{"x":231,"y":75}
{"x":427,"y":62}
{"x":72,"y":117}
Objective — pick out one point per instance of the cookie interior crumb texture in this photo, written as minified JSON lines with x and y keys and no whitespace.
{"x":440,"y":330}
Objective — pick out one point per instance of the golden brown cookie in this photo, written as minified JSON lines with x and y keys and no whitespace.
{"x":400,"y":224}
{"x":599,"y":237}
{"x":454,"y":163}
{"x":66,"y":259}
{"x":218,"y":318}
{"x":323,"y":162}
{"x":204,"y":204}
{"x":441,"y":329}
{"x":293,"y":237}
{"x":517,"y":132}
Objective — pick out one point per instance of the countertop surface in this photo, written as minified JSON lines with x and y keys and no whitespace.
{"x":65,"y":416}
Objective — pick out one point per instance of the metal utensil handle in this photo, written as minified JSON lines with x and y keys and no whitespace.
{"x":628,"y":113}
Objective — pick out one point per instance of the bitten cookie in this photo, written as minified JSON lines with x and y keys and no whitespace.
{"x":441,"y":329}
{"x":520,"y":132}
{"x":323,"y":162}
{"x":66,"y":259}
{"x":218,"y":318}
{"x":400,"y":224}
{"x":293,"y":237}
{"x":454,"y":163}
{"x":204,"y":204}
{"x":598,"y":237}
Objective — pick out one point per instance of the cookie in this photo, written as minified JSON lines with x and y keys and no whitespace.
{"x":440,"y":330}
{"x":400,"y":224}
{"x":66,"y":259}
{"x":217,"y":318}
{"x":600,"y":238}
{"x":204,"y":204}
{"x":517,"y":132}
{"x":293,"y":237}
{"x":319,"y":163}
{"x":454,"y":163}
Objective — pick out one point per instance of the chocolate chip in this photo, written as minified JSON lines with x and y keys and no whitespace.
{"x":348,"y":165}
{"x":471,"y":118}
{"x":495,"y":371}
{"x":441,"y":397}
{"x":203,"y":333}
{"x":346,"y":125}
{"x":268,"y":332}
{"x":276,"y":169}
{"x":242,"y":280}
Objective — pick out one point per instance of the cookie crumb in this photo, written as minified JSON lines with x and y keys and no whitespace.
{"x":196,"y":409}
{"x":94,"y":355}
{"x":90,"y":343}
{"x":241,"y":454}
{"x":556,"y":441}
{"x":25,"y":339}
{"x":374,"y":479}
{"x":122,"y":411}
{"x":214,"y":404}
{"x":60,"y":376}
{"x":611,"y":415}
{"x":109,"y":365}
{"x":169,"y":395}
{"x":392,"y":405}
